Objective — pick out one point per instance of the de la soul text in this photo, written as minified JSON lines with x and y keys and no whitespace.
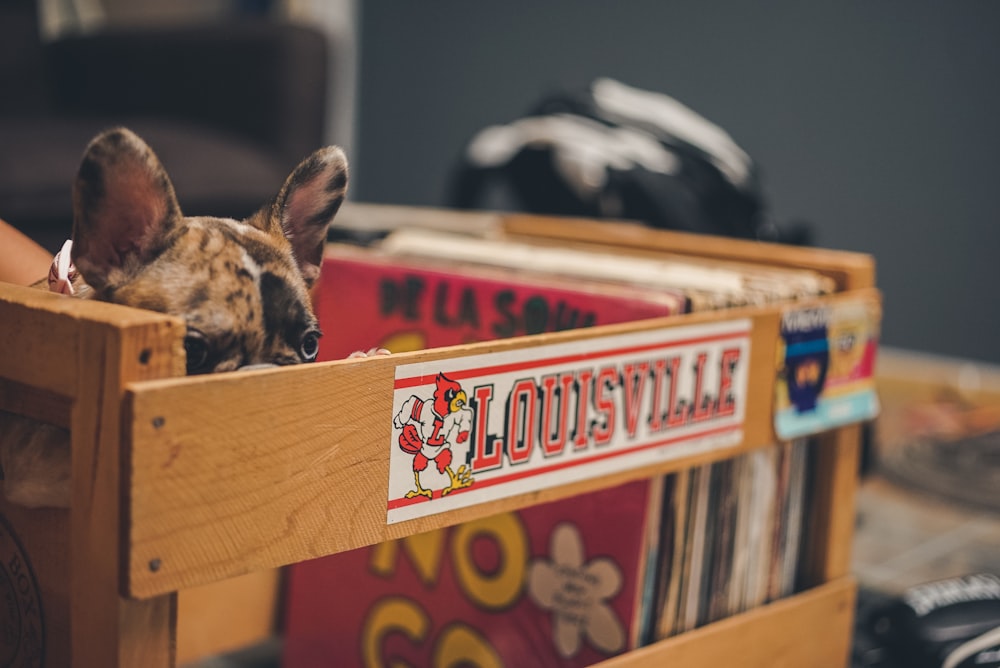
{"x":499,"y":313}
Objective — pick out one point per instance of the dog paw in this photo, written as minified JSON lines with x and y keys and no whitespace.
{"x":372,"y":352}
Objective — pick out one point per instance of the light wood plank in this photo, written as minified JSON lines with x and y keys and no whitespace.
{"x":832,"y":514}
{"x":810,"y":629}
{"x":43,"y":328}
{"x":52,"y":367}
{"x":43,"y":335}
{"x":34,"y":403}
{"x":107,"y":630}
{"x":236,"y":473}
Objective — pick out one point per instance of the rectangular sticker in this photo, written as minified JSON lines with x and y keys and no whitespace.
{"x":474,"y":429}
{"x":826,"y":367}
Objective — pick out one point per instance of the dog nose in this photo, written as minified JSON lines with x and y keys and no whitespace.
{"x":254,"y":367}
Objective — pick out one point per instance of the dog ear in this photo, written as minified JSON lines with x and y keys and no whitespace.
{"x":306,"y":205}
{"x":123,"y":205}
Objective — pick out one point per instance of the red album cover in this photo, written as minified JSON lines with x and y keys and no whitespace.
{"x":552,"y":585}
{"x":366,"y":300}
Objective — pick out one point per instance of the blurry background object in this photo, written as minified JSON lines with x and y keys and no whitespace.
{"x":615,"y":151}
{"x":939,"y":431}
{"x":874,"y":122}
{"x":230,"y":104}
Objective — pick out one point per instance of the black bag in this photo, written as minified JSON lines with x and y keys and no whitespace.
{"x":952,"y":623}
{"x":612,"y":151}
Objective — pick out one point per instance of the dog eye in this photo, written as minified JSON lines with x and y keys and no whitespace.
{"x":196,"y":348}
{"x":309,"y":348}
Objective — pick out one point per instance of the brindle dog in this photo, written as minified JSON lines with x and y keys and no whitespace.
{"x":242,"y":287}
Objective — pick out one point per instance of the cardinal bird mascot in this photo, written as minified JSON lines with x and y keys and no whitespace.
{"x":429,"y":431}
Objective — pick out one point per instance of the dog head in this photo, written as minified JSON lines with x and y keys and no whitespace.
{"x":242,"y":287}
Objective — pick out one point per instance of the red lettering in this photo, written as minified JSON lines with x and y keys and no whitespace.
{"x":659,"y":376}
{"x":436,"y":438}
{"x":635,"y":386}
{"x":482,"y":461}
{"x":606,"y":380}
{"x":582,"y":403}
{"x":727,"y":402}
{"x":676,"y":416}
{"x":704,"y":406}
{"x":521,"y":422}
{"x":553,"y":443}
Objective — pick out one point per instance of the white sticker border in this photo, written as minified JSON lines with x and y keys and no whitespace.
{"x":623,"y":452}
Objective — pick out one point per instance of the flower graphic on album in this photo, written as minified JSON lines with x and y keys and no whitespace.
{"x":576,"y":592}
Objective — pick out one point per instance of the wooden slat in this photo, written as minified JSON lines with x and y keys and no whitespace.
{"x":34,"y":403}
{"x":107,"y":630}
{"x":832,"y":510}
{"x":54,"y":370}
{"x":236,"y":473}
{"x":40,"y":335}
{"x":810,"y":629}
{"x":851,"y":270}
{"x":44,"y":339}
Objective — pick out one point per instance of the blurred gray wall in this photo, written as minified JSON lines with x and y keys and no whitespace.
{"x":876,"y":121}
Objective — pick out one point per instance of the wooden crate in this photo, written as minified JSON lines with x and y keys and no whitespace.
{"x":179,"y":483}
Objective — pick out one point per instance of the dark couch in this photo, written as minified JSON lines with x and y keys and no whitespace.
{"x":230,"y":109}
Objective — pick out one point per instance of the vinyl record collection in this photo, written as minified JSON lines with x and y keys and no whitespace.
{"x":600,"y":574}
{"x":727,"y":539}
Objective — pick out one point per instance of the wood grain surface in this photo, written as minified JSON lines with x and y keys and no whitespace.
{"x":810,"y":629}
{"x":235,"y":473}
